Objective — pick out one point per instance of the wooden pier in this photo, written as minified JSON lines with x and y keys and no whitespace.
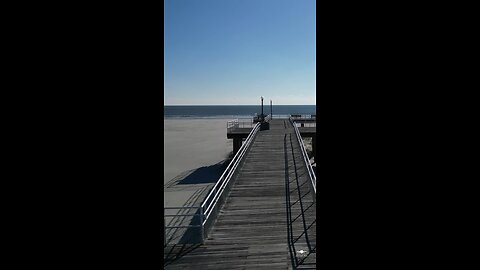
{"x":268,"y":220}
{"x":240,"y":131}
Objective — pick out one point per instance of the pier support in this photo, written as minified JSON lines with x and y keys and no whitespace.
{"x":237,"y":143}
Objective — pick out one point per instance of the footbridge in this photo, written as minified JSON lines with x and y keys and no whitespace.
{"x":261,"y":213}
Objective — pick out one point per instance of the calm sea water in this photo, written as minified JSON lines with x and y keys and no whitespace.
{"x":237,"y":111}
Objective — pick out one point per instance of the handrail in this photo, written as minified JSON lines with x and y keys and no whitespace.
{"x":232,"y":123}
{"x":222,"y":181}
{"x":295,"y":116}
{"x":307,"y":124}
{"x":303,"y":116}
{"x":311,"y":173}
{"x":240,"y":123}
{"x":179,"y":207}
{"x":170,"y":227}
{"x":216,"y":192}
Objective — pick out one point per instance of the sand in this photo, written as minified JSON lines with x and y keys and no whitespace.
{"x":193,"y":152}
{"x":192,"y":143}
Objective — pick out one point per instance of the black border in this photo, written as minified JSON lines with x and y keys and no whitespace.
{"x":91,"y":141}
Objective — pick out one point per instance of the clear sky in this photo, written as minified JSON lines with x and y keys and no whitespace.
{"x":231,"y":52}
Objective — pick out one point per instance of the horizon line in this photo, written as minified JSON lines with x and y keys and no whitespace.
{"x":265,"y":104}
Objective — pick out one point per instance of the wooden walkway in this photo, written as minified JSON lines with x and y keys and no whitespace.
{"x":269,"y":218}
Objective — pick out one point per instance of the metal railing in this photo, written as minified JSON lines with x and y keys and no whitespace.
{"x":181,"y":212}
{"x":303,"y":116}
{"x":294,"y":116}
{"x":240,"y":123}
{"x":211,"y":205}
{"x":311,"y":172}
{"x":244,"y":122}
{"x":307,"y":124}
{"x":260,"y":118}
{"x":280,"y":116}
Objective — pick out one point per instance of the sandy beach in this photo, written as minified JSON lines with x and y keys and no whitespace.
{"x":194,"y":150}
{"x":193,"y":143}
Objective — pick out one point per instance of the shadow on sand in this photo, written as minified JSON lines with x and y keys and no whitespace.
{"x":187,"y":239}
{"x":201,"y":175}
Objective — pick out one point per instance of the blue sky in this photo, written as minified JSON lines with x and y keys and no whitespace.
{"x":231,"y":52}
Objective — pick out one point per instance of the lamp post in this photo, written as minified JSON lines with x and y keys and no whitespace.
{"x":262,"y":108}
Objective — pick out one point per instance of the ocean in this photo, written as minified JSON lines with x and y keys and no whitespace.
{"x":234,"y":111}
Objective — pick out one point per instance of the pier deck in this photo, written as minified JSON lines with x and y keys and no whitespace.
{"x":269,"y":218}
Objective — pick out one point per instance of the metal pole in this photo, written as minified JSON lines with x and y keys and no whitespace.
{"x":262,"y":107}
{"x":271,"y":111}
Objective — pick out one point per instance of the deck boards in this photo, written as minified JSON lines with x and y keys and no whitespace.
{"x":268,"y":219}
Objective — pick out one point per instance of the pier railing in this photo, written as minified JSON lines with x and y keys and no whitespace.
{"x":203,"y":217}
{"x":268,"y":118}
{"x":240,"y":123}
{"x":178,"y":223}
{"x":311,"y":172}
{"x":303,"y":116}
{"x":217,"y":196}
{"x":295,"y":116}
{"x":245,"y":122}
{"x":307,"y":124}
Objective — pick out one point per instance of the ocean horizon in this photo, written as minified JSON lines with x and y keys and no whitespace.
{"x":236,"y":111}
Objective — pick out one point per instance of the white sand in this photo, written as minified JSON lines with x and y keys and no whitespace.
{"x":188,"y":145}
{"x":193,"y":143}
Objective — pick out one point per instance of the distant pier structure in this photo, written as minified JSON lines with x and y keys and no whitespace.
{"x":239,"y":129}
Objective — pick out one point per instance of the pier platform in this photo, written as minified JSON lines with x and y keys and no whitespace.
{"x":268,"y":220}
